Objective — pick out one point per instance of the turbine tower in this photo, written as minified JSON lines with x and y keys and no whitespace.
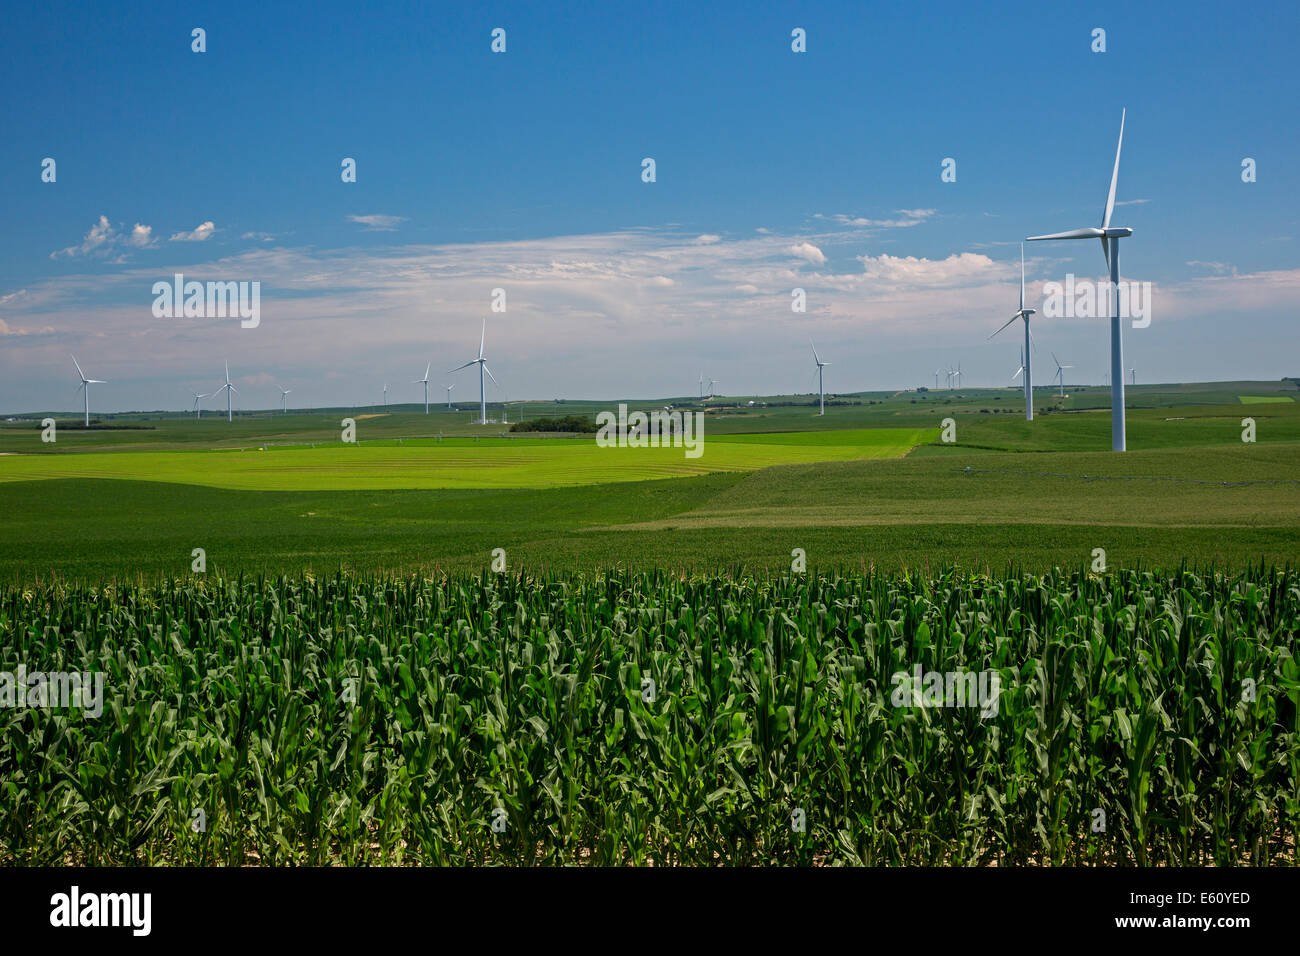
{"x":198,"y":412}
{"x":449,"y":388}
{"x":1060,"y":372}
{"x":86,"y":383}
{"x":1133,"y":372}
{"x":1110,"y":237}
{"x":227,"y":388}
{"x":386,"y":392}
{"x":1025,"y":362}
{"x":821,"y":396}
{"x":425,"y":382}
{"x":482,"y":367}
{"x":284,"y":398}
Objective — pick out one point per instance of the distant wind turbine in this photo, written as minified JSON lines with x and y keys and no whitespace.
{"x":1060,"y":372}
{"x":86,"y":383}
{"x":821,"y":396}
{"x":386,"y":392}
{"x":1134,"y":373}
{"x":482,"y":367}
{"x":1025,"y":363}
{"x":1022,"y":366}
{"x":449,"y":388}
{"x":1110,"y":237}
{"x":227,"y":388}
{"x":936,"y":378}
{"x":198,"y":412}
{"x":425,"y":382}
{"x":284,"y":398}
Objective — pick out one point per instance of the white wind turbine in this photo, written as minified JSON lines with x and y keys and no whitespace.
{"x":482,"y":367}
{"x":1022,"y":366}
{"x":284,"y":398}
{"x":198,"y":412}
{"x":1110,"y":237}
{"x":821,"y":397}
{"x":386,"y":392}
{"x":1134,"y":373}
{"x":711,"y":384}
{"x":1025,"y":362}
{"x":227,"y":388}
{"x":1060,"y":372}
{"x":425,"y":382}
{"x":937,"y":373}
{"x":449,"y":388}
{"x":86,"y":383}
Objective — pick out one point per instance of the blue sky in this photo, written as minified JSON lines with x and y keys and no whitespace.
{"x":522,"y":171}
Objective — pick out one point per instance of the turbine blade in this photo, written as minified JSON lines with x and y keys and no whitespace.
{"x":79,"y":371}
{"x":426,"y":372}
{"x":466,"y":365}
{"x":489,"y":375}
{"x":482,"y":340}
{"x":1022,"y":277}
{"x":1090,"y":232}
{"x":1105,"y":251}
{"x":816,"y":357}
{"x":1009,"y":321}
{"x":1114,"y":176}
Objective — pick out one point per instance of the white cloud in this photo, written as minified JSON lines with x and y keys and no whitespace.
{"x":199,"y":233}
{"x":911,"y":217}
{"x":258,"y":236}
{"x":141,"y":235}
{"x":914,"y":272}
{"x":378,"y":222}
{"x":706,"y":239}
{"x":97,"y":241}
{"x":808,"y":252}
{"x":1218,"y":268}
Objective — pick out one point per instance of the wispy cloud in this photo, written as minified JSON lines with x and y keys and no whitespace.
{"x":808,"y":252}
{"x":98,"y":241}
{"x":378,"y":222}
{"x":200,"y":233}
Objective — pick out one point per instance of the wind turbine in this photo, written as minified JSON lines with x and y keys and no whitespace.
{"x":1134,"y":373}
{"x":1110,"y":237}
{"x":936,"y":378}
{"x":86,"y":383}
{"x":1025,"y":362}
{"x":425,"y":382}
{"x":386,"y":392}
{"x":957,"y":375}
{"x":284,"y":398}
{"x":1022,"y":366}
{"x":449,"y":388}
{"x":227,"y":388}
{"x":1060,"y":372}
{"x":711,"y":384}
{"x":482,"y":367}
{"x":198,"y":412}
{"x":701,"y":385}
{"x":821,"y":397}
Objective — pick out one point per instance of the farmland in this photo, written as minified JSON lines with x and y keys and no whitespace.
{"x":679,"y":653}
{"x":646,"y":719}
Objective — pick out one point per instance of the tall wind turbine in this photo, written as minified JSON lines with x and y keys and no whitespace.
{"x":1060,"y":372}
{"x":425,"y":382}
{"x":449,"y":388}
{"x":284,"y":398}
{"x":1025,"y":362}
{"x":227,"y":388}
{"x":821,"y":396}
{"x":86,"y":383}
{"x":198,"y":412}
{"x":482,"y":367}
{"x":1110,"y":237}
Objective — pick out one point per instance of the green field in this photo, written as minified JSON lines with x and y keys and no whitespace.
{"x":868,"y":485}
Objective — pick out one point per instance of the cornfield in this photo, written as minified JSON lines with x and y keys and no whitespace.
{"x":1144,"y":719}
